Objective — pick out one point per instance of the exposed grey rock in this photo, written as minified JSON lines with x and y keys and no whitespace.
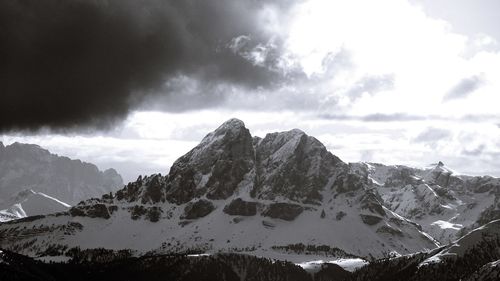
{"x":389,"y":230}
{"x":198,"y":209}
{"x":401,"y":176}
{"x":346,"y":182}
{"x":268,"y":224}
{"x":154,"y":214}
{"x":215,"y":167}
{"x":370,"y":201}
{"x":154,"y":191}
{"x":293,"y":165}
{"x":323,"y":214}
{"x":145,"y":190}
{"x":370,"y":220}
{"x":284,"y":211}
{"x":340,"y":215}
{"x":137,"y":212}
{"x":92,"y":211}
{"x":150,"y":213}
{"x":239,"y":207}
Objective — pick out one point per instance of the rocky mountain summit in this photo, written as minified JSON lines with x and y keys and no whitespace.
{"x":288,"y":165}
{"x":274,"y":196}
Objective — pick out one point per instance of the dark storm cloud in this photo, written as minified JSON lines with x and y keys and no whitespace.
{"x":87,"y":63}
{"x":464,"y":88}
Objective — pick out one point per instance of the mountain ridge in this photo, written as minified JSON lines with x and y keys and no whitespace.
{"x":235,"y":192}
{"x":50,"y":179}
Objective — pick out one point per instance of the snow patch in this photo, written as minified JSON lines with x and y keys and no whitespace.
{"x":350,"y":265}
{"x":447,"y":225}
{"x":55,"y":199}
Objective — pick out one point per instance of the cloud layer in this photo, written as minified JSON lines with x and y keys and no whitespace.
{"x":80,"y":63}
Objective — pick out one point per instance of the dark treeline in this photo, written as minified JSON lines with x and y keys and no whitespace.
{"x":103,"y":264}
{"x":217,"y":267}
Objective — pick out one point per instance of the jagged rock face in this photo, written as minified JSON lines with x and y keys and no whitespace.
{"x":370,"y":201}
{"x":401,"y":177}
{"x":346,"y":182}
{"x":293,"y":165}
{"x":389,"y":230}
{"x":215,"y":167}
{"x":92,"y":211}
{"x":150,"y":213}
{"x":370,"y":220}
{"x":146,"y":190}
{"x":284,"y":211}
{"x":239,"y":207}
{"x":447,"y":205}
{"x":287,"y":165}
{"x":443,"y":178}
{"x":198,"y":209}
{"x":483,"y":184}
{"x":27,"y":166}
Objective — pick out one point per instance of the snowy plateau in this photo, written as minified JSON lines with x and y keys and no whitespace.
{"x":282,"y":203}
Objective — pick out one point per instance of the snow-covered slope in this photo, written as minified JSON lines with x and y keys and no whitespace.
{"x":28,"y":166}
{"x":472,"y":257}
{"x":458,"y":248}
{"x":29,"y":203}
{"x":284,"y":196}
{"x":445,"y":204}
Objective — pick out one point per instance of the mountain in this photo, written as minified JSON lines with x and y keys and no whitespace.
{"x":447,"y":205}
{"x":282,"y":196}
{"x":29,"y":203}
{"x":472,"y":257}
{"x":31,"y":178}
{"x":462,"y":246}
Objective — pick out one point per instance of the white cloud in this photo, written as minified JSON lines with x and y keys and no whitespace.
{"x":424,"y":57}
{"x":384,"y":62}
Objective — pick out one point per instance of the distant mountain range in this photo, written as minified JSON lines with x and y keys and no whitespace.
{"x":285,"y":197}
{"x":33,"y":181}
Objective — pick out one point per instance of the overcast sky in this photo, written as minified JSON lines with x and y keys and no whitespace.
{"x":135,"y":84}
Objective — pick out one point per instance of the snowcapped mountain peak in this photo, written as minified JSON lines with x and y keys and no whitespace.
{"x":233,"y":123}
{"x":230,"y":132}
{"x":233,"y":190}
{"x":440,"y":166}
